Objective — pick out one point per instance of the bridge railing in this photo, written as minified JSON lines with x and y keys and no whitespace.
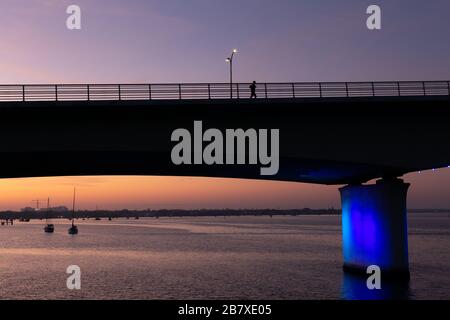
{"x":186,"y":91}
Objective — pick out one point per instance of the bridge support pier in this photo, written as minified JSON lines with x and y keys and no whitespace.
{"x":374,"y":227}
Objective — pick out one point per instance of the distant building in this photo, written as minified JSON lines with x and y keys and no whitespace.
{"x":58,"y":209}
{"x":51,"y":209}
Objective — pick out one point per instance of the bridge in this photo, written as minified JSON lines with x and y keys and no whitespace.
{"x":330,"y":133}
{"x":214,"y":91}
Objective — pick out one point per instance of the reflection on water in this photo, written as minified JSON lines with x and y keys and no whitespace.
{"x":354,"y":287}
{"x":210,"y":258}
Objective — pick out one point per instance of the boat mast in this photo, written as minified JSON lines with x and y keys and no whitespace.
{"x":73,"y":206}
{"x":48,"y":210}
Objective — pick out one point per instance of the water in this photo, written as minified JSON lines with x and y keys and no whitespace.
{"x":209,"y":258}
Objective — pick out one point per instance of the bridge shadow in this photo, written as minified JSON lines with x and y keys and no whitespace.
{"x":354,"y":288}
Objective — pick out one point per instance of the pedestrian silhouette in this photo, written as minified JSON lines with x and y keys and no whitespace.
{"x":253,"y":90}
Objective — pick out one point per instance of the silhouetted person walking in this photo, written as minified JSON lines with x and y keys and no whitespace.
{"x":253,"y":90}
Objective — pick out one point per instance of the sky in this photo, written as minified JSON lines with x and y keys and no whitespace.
{"x":171,"y":41}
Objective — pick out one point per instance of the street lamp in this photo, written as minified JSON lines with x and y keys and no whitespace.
{"x":230,"y":61}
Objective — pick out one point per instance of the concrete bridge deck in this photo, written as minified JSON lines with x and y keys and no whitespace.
{"x":336,"y":140}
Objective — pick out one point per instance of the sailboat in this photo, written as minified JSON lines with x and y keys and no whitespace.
{"x":73,"y":229}
{"x":49,"y":227}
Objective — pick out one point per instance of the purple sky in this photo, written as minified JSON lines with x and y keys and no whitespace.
{"x":188,"y":41}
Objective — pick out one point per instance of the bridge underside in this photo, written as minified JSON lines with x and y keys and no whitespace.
{"x":141,"y":163}
{"x":326,"y":141}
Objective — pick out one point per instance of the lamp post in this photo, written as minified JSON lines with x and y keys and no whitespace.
{"x":230,"y":61}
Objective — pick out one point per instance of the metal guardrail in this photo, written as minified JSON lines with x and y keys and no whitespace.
{"x":186,"y":91}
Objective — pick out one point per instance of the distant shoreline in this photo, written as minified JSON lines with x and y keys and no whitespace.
{"x":113,"y":214}
{"x":42,"y":214}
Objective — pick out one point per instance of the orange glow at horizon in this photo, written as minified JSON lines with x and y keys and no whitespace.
{"x":428,"y":190}
{"x":125,"y":192}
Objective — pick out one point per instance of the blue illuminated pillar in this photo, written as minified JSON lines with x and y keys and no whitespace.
{"x":374,"y":226}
